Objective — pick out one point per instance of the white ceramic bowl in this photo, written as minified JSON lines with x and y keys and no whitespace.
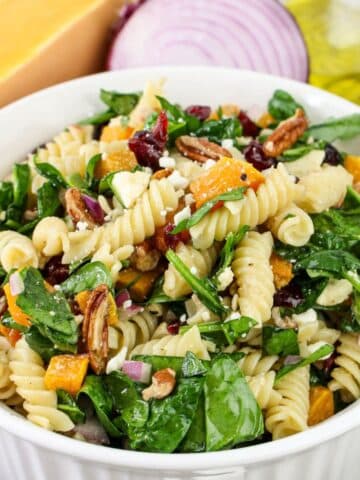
{"x":325,"y":452}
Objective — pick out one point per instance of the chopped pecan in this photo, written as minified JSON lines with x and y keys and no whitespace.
{"x":145,"y":258}
{"x":200,"y":149}
{"x":286,"y":134}
{"x":95,"y":328}
{"x":163,"y":383}
{"x":163,"y":173}
{"x":76,"y":208}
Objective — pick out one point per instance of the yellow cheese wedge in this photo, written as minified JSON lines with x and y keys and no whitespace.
{"x":43,"y":42}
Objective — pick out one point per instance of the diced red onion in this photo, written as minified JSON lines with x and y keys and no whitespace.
{"x":92,"y":431}
{"x":134,"y":309}
{"x":94,"y":209}
{"x":259,"y":35}
{"x":290,"y":359}
{"x":16,"y":284}
{"x":137,"y":371}
{"x":121,"y":297}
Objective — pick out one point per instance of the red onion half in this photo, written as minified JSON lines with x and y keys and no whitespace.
{"x":258,"y":35}
{"x":137,"y":371}
{"x":94,"y":208}
{"x":16,"y":284}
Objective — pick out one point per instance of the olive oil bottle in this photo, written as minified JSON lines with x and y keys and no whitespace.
{"x":331,"y":29}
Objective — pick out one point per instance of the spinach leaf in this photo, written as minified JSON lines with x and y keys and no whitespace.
{"x":67,"y":404}
{"x":48,"y":201}
{"x":354,"y":325}
{"x":159,"y":362}
{"x":169,"y":419}
{"x":232,"y":414}
{"x":352,"y":199}
{"x":98,"y":118}
{"x":227,"y":252}
{"x":106,"y":182}
{"x":40,"y":344}
{"x":9,"y":322}
{"x":280,"y":341}
{"x":299,"y":151}
{"x":120,"y":103}
{"x":314,"y":357}
{"x":232,"y":195}
{"x":158,"y":295}
{"x":49,"y":312}
{"x":90,"y":170}
{"x":218,"y":130}
{"x":6,"y":194}
{"x":87,"y":277}
{"x":342,"y":128}
{"x":229,"y":331}
{"x":51,"y":173}
{"x":21,"y":181}
{"x":282,"y":105}
{"x":192,"y":366}
{"x":204,"y":288}
{"x":311,"y":289}
{"x":195,"y":439}
{"x":94,"y":389}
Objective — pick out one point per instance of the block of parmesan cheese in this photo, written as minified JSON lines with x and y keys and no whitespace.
{"x":43,"y":42}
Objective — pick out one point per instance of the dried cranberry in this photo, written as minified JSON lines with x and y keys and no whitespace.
{"x":55,"y":272}
{"x":173,"y":328}
{"x":217,"y":206}
{"x":148,"y":146}
{"x":255,"y":155}
{"x":332,"y":156}
{"x":202,"y":112}
{"x":329,"y":363}
{"x":250,"y":129}
{"x":290,"y":296}
{"x":172,"y":241}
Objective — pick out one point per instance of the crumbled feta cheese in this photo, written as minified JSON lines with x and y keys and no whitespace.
{"x":166,"y":153}
{"x":129,"y":186}
{"x":234,"y":206}
{"x":225,"y":278}
{"x":182,"y":318}
{"x":81,"y":226}
{"x":127,"y":304}
{"x":310,"y":140}
{"x":227,"y":143}
{"x":167,"y":162}
{"x":206,"y":316}
{"x":104,"y":156}
{"x":209,"y":163}
{"x":52,"y":313}
{"x":315,"y":346}
{"x":163,"y":213}
{"x":304,"y":318}
{"x":117,"y":362}
{"x":177,"y":180}
{"x":182,"y":215}
{"x":57,"y":288}
{"x":194,"y":270}
{"x":232,"y":316}
{"x":189,"y":199}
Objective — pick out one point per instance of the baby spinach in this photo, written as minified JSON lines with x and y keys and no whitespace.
{"x":41,"y":344}
{"x":158,"y":295}
{"x":179,"y":122}
{"x":232,"y":414}
{"x":21,"y":181}
{"x":228,"y":251}
{"x":204,"y":288}
{"x":120,"y":103}
{"x":182,"y":366}
{"x":101,"y":118}
{"x":342,"y":128}
{"x":282,"y":105}
{"x":87,"y":277}
{"x":218,"y":130}
{"x":195,"y":439}
{"x":9,"y":322}
{"x":6,"y":194}
{"x":94,"y":389}
{"x":48,"y":311}
{"x":169,"y":419}
{"x":232,"y":195}
{"x":280,"y":341}
{"x":51,"y":173}
{"x":48,"y":201}
{"x":90,"y":170}
{"x":192,"y":366}
{"x":314,"y":357}
{"x":298,"y":151}
{"x":68,"y":405}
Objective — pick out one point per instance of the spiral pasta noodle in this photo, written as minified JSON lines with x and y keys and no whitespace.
{"x":28,"y":376}
{"x":290,"y":415}
{"x":201,"y":262}
{"x":132,"y":228}
{"x":7,"y":387}
{"x":278,"y":191}
{"x":254,"y":277}
{"x":48,"y":236}
{"x":17,"y":251}
{"x":346,"y":376}
{"x":136,"y":330}
{"x":292,"y":226}
{"x":324,"y":189}
{"x":175,"y":345}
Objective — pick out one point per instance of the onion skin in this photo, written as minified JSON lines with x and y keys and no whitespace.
{"x":137,"y":371}
{"x":122,"y":297}
{"x":260,"y":35}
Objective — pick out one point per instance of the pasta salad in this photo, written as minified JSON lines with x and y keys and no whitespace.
{"x":182,"y":279}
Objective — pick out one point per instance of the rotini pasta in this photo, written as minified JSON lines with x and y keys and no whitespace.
{"x":278,"y":191}
{"x":48,"y":236}
{"x":200,"y":262}
{"x":292,"y":226}
{"x":254,"y":276}
{"x":28,"y":376}
{"x":346,"y":376}
{"x":7,"y":387}
{"x":16,"y":251}
{"x":136,"y":330}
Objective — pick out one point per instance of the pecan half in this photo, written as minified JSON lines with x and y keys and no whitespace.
{"x":76,"y":208}
{"x":163,"y":383}
{"x":95,"y":328}
{"x":200,"y":149}
{"x":145,"y":258}
{"x":286,"y":134}
{"x":163,"y":173}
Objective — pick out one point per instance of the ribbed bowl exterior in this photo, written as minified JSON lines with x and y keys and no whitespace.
{"x":334,"y":460}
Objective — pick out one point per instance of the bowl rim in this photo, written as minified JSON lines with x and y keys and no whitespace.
{"x":336,"y":426}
